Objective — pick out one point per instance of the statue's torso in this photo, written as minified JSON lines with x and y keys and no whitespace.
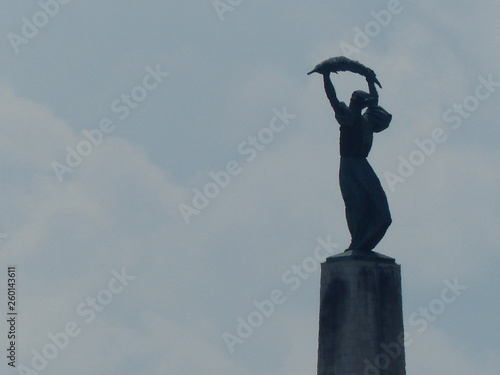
{"x":356,"y":134}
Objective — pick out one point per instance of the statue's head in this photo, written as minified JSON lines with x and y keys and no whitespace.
{"x":360,"y":99}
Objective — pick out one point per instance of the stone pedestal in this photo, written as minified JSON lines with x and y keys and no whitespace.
{"x":361,"y":318}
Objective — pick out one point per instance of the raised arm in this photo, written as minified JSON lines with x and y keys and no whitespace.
{"x":330,"y":92}
{"x":373,"y":90}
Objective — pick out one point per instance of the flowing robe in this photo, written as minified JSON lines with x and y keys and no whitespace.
{"x":366,"y":206}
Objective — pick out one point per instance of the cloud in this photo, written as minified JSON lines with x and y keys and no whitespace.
{"x":442,"y":355}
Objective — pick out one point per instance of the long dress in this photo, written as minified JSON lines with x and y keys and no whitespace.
{"x":366,"y":206}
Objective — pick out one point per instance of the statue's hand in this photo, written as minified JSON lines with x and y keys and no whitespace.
{"x":371,"y":76}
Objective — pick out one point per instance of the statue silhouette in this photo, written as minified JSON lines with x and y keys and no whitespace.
{"x":366,"y":206}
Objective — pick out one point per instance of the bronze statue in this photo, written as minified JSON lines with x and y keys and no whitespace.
{"x":366,"y":206}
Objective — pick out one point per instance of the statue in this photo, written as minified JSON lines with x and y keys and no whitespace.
{"x":366,"y":206}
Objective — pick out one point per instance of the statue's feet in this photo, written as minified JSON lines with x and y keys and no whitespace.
{"x":351,"y":248}
{"x":358,"y":251}
{"x":362,"y":251}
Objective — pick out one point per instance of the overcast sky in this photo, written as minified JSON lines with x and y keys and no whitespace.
{"x":167,"y":165}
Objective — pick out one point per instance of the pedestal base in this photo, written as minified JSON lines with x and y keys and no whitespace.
{"x":361,"y":318}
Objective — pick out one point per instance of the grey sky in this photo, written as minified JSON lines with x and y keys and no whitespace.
{"x":117,"y":208}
